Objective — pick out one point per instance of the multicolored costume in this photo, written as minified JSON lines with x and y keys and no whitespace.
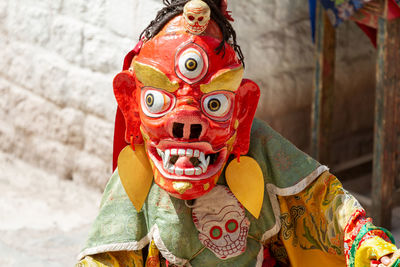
{"x":203,"y":183}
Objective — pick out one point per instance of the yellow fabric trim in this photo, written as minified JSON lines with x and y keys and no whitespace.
{"x":151,"y":76}
{"x":153,"y":257}
{"x":113,"y":259}
{"x":99,"y":260}
{"x":373,"y":248}
{"x":225,"y":80}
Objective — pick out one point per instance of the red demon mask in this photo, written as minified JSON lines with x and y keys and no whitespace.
{"x":189,"y":106}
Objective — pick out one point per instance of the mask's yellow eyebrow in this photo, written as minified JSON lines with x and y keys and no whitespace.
{"x":228,"y":80}
{"x":151,"y":76}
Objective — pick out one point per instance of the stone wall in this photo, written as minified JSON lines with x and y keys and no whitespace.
{"x":276,"y":39}
{"x":58,"y":59}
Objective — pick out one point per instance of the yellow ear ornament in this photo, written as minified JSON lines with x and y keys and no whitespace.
{"x":135,"y":173}
{"x":246,"y":181}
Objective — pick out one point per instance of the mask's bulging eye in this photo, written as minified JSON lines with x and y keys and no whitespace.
{"x":217,"y":106}
{"x":191,"y":63}
{"x":156,"y":103}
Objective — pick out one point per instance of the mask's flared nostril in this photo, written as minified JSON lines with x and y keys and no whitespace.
{"x":195,"y":131}
{"x":177,"y":129}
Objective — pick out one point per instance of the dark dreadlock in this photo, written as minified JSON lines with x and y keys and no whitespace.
{"x":175,"y":7}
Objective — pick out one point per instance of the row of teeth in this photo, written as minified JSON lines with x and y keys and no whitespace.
{"x":166,"y":155}
{"x":229,"y":249}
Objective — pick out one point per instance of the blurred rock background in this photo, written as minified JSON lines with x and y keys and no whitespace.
{"x":57,"y":62}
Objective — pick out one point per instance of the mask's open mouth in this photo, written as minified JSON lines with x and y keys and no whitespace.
{"x":187,"y":161}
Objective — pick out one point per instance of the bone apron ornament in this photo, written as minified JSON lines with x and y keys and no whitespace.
{"x":222,"y":226}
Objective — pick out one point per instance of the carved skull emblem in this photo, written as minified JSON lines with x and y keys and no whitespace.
{"x":196,"y":14}
{"x":221,"y":221}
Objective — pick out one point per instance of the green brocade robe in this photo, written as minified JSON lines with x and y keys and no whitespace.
{"x":168,"y":221}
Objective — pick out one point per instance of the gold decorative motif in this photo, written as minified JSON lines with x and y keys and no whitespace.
{"x":236,"y":125}
{"x":230,"y":142}
{"x":144,"y":135}
{"x":216,"y":179}
{"x":161,"y":180}
{"x":227,"y":80}
{"x":153,"y":77}
{"x":206,"y":186}
{"x":181,"y":187}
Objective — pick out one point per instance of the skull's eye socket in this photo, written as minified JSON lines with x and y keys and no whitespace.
{"x":200,"y":19}
{"x":215,"y":232}
{"x":218,"y":106}
{"x":231,"y":226}
{"x":156,"y":103}
{"x":191,"y":18}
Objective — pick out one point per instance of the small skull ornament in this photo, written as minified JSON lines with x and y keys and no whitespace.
{"x":221,"y":221}
{"x":196,"y":14}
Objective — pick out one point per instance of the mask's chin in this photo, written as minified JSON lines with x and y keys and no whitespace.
{"x":186,"y":170}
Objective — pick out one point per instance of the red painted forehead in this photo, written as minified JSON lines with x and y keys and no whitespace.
{"x":164,"y":53}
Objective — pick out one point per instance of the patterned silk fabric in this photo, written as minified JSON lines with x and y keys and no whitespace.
{"x":114,"y":259}
{"x":315,"y":223}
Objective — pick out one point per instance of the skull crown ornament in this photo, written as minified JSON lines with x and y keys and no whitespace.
{"x":197,"y":16}
{"x":186,"y":102}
